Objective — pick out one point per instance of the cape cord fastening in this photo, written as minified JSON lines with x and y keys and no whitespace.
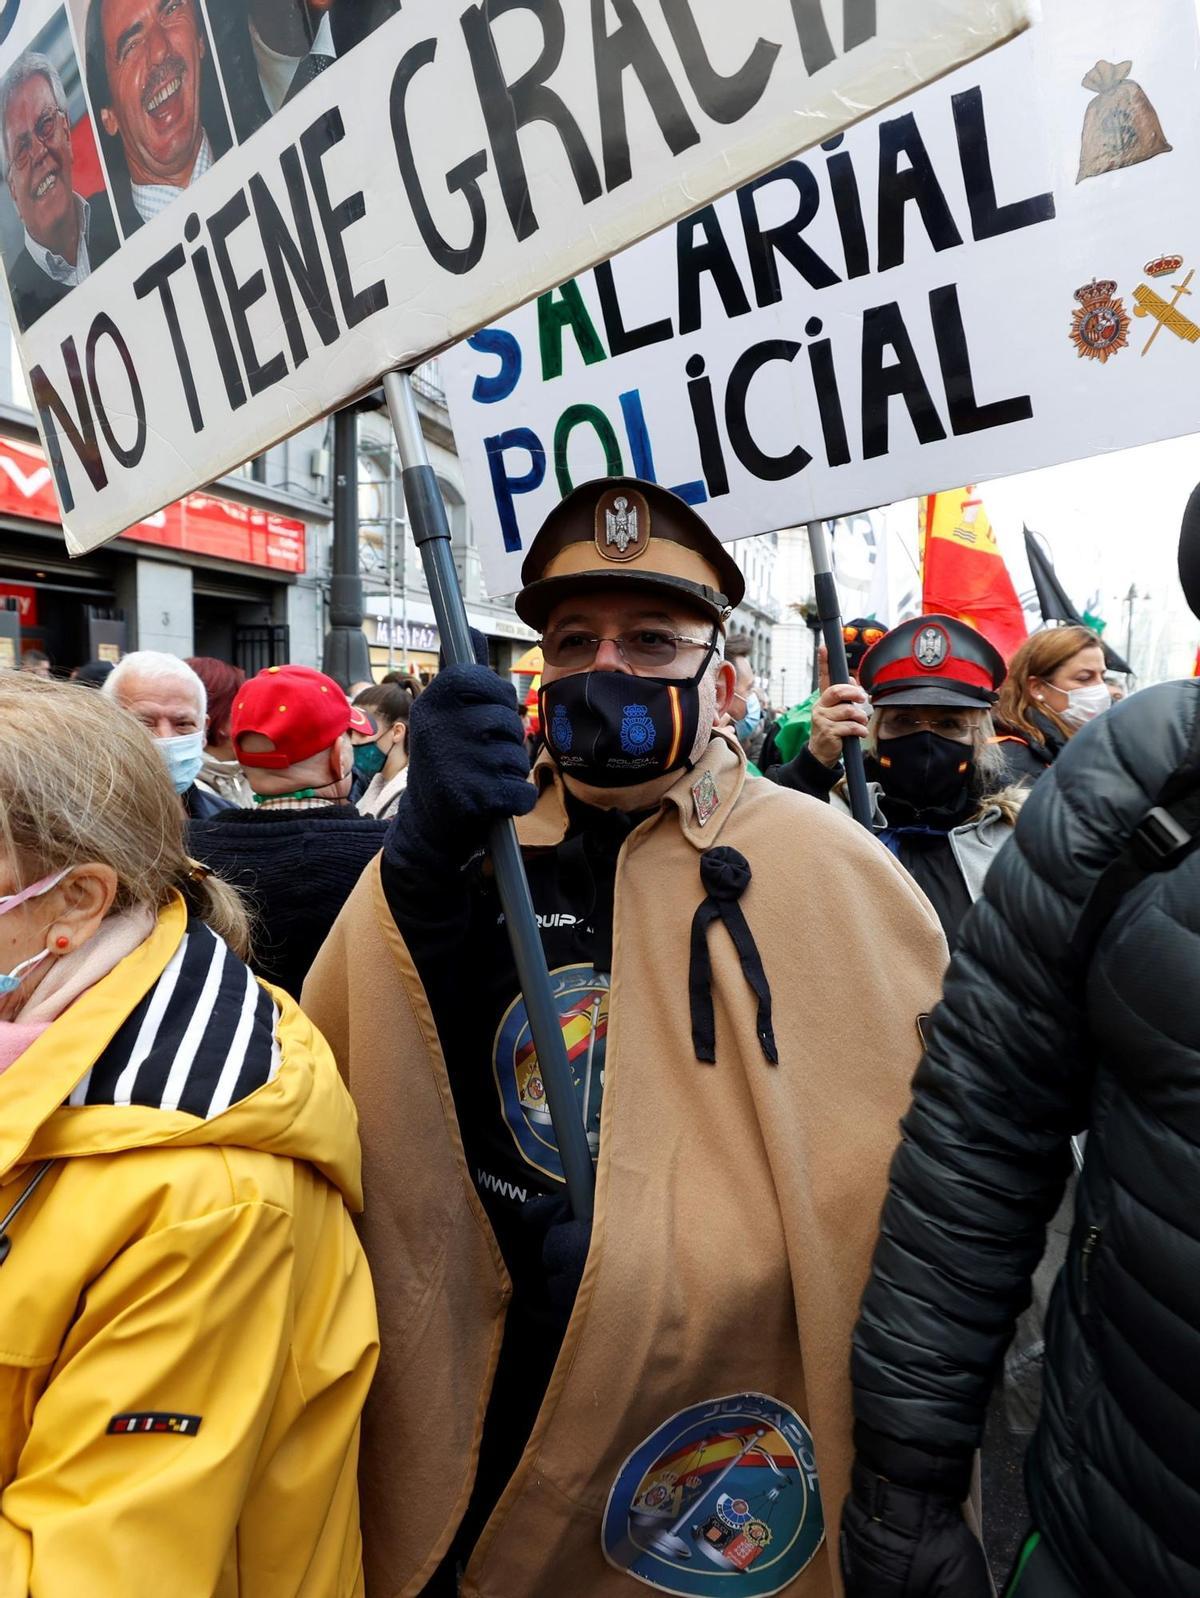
{"x":726,"y":875}
{"x":30,"y":1189}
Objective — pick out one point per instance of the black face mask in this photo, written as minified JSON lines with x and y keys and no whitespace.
{"x":612,"y":730}
{"x":925,"y":770}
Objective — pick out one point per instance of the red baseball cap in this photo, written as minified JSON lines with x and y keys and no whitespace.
{"x":300,"y":710}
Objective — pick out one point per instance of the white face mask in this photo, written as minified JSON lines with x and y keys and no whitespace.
{"x":1085,"y":704}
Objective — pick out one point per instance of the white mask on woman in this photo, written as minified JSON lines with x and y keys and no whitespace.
{"x":1085,"y":704}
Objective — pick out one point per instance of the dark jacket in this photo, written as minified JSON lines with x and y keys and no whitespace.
{"x":296,"y":867}
{"x":1031,"y":1044}
{"x":1027,"y":758}
{"x":33,"y":291}
{"x":351,"y":21}
{"x":202,"y":804}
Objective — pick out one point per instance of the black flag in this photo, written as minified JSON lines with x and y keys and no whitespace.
{"x":1052,"y":597}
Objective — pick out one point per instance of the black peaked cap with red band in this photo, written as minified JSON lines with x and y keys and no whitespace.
{"x":933,"y":660}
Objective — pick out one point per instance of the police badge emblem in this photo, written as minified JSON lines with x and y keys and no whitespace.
{"x":637,"y":730}
{"x":1100,"y":327}
{"x":622,"y":524}
{"x":931,"y":648}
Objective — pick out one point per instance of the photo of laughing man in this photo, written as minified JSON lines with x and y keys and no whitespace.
{"x":271,"y":49}
{"x":64,"y":236}
{"x":155,"y":94}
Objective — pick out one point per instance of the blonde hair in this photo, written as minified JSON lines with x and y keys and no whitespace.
{"x":1040,"y":655}
{"x":80,"y":781}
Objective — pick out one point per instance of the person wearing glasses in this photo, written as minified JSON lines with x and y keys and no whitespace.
{"x":66,"y":237}
{"x":539,"y":1375}
{"x":937,"y":775}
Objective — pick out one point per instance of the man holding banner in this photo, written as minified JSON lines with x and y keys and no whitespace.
{"x":742,"y":1135}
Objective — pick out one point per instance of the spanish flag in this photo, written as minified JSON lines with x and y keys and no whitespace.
{"x":964,"y":571}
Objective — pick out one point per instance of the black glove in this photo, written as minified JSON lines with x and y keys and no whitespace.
{"x":899,"y":1543}
{"x":565,"y":1244}
{"x":468,"y":765}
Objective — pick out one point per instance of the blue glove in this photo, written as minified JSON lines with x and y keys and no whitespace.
{"x":467,"y":766}
{"x":565,"y":1244}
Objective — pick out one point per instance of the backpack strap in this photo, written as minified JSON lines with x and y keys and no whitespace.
{"x":1165,"y":836}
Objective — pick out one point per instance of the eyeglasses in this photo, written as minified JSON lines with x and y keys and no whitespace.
{"x":645,"y":648}
{"x":900,"y":723}
{"x":47,"y":130}
{"x":863,"y":635}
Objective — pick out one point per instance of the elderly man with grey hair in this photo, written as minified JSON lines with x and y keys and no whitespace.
{"x":170,"y":701}
{"x":66,"y":236}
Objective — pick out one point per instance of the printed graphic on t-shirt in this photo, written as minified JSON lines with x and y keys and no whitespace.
{"x":581,"y":996}
{"x":722,"y":1498}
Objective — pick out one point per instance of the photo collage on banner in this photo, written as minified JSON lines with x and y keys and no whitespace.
{"x":115,"y":107}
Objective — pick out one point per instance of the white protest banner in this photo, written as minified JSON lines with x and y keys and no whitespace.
{"x":360,"y":196}
{"x":993,"y":277}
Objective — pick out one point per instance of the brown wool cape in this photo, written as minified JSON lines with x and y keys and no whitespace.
{"x":737,"y":1204}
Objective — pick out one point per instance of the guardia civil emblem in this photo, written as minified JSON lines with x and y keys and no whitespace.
{"x":931,"y":648}
{"x":622,"y":524}
{"x":637,"y":730}
{"x":1100,"y":327}
{"x":722,"y":1498}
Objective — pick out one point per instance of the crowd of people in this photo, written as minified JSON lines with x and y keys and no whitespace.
{"x":294,"y":1299}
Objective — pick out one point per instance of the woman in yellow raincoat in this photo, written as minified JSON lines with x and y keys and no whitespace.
{"x":187,"y":1328}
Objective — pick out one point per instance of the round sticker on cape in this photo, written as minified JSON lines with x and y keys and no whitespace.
{"x":581,"y":999}
{"x":722,"y":1498}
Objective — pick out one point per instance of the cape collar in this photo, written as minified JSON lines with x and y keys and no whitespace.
{"x":709,"y":791}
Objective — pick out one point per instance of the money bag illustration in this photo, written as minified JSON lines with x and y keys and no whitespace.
{"x":1120,"y":127}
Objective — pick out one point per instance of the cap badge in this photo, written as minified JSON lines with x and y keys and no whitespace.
{"x":622,"y":525}
{"x":931,"y":648}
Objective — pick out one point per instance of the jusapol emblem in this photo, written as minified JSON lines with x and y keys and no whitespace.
{"x":722,"y":1498}
{"x":931,"y":648}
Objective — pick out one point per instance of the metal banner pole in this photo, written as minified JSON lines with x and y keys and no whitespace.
{"x":829,"y":612}
{"x":431,"y":533}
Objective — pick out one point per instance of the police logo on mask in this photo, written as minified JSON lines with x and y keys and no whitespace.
{"x":931,"y":648}
{"x":637,"y":730}
{"x":562,"y":735}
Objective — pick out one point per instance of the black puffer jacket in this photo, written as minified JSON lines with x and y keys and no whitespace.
{"x":1027,"y":1047}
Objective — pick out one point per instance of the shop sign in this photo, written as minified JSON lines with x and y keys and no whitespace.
{"x":201,"y":524}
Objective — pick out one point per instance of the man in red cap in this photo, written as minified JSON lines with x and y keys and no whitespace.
{"x":300,"y":850}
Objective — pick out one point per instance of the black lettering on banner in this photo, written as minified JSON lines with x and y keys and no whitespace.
{"x":829,"y":399}
{"x":231,"y":376}
{"x":918,"y":182}
{"x":989,"y":220}
{"x":294,"y":259}
{"x":158,"y":276}
{"x":847,"y":203}
{"x":708,"y":434}
{"x":621,"y":339}
{"x":82,"y":433}
{"x":316,"y":142}
{"x":860,"y":23}
{"x":104,"y":327}
{"x":462,"y":179}
{"x":769,"y":468}
{"x":711,"y":257}
{"x":508,"y":107}
{"x":815,"y":44}
{"x":724,"y":98}
{"x":884,"y":329}
{"x":632,"y":48}
{"x":242,"y":295}
{"x":786,"y":239}
{"x":966,"y":415}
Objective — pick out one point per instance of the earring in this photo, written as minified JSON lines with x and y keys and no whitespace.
{"x":1041,"y":698}
{"x":62,"y":941}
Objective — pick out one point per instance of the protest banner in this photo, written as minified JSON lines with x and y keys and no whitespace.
{"x":994,"y":277}
{"x":359,"y":198}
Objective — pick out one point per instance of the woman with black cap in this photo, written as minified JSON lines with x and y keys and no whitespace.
{"x":937,"y":777}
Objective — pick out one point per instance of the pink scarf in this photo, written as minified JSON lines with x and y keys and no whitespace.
{"x":72,"y":975}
